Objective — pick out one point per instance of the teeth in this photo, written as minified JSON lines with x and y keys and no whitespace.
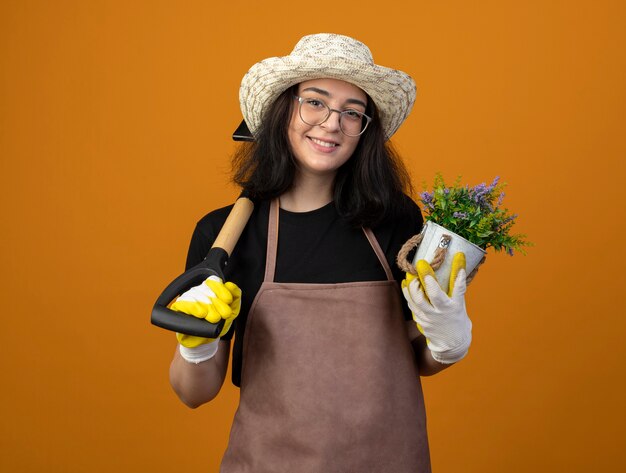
{"x":326,"y":144}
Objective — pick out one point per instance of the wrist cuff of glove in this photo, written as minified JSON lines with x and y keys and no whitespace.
{"x":200,"y":353}
{"x":447,"y":359}
{"x":451,"y":356}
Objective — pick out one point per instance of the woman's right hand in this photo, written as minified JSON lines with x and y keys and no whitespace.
{"x":212,"y":300}
{"x":441,"y":317}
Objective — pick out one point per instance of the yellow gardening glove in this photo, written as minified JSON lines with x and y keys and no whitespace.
{"x":424,"y":269}
{"x":441,"y":317}
{"x":212,"y":300}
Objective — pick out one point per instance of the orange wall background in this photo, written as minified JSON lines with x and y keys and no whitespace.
{"x":115,"y":124}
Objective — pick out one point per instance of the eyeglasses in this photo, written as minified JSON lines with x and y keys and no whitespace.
{"x":315,"y":112}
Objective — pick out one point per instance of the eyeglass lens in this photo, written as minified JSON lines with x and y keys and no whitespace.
{"x":316,"y":112}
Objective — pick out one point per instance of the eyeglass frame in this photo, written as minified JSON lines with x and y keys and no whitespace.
{"x":330,"y":111}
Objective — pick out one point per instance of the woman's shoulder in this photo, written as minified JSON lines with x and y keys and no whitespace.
{"x":219,"y":213}
{"x":211,"y":223}
{"x":402,"y":223}
{"x":405,"y":213}
{"x":409,"y":206}
{"x":209,"y":226}
{"x":214,"y":219}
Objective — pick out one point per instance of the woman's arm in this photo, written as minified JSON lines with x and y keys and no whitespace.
{"x":427,"y":365}
{"x":197,"y":384}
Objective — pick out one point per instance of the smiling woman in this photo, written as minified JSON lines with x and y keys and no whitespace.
{"x":332,"y":359}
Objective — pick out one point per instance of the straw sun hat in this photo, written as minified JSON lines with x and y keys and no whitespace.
{"x":327,"y":56}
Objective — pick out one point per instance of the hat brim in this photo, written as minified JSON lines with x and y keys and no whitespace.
{"x":392,"y":91}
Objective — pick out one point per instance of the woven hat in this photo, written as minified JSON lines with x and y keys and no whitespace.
{"x":327,"y":56}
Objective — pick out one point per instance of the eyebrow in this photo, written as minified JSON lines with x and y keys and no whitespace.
{"x":327,"y":94}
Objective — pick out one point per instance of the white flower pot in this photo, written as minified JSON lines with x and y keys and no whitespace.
{"x":435,"y":236}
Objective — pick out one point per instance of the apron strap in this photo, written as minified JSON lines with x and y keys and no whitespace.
{"x":272,"y":245}
{"x":272,"y":241}
{"x":379,"y":252}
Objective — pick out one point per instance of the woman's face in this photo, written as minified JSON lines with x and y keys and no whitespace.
{"x":323,"y":149}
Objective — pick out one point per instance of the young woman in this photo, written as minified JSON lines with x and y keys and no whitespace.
{"x":327,"y":353}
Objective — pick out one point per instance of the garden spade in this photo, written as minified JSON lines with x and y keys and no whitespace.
{"x":212,"y":265}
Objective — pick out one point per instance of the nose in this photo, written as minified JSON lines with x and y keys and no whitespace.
{"x":332,"y":122}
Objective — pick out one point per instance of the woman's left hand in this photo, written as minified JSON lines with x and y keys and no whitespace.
{"x":441,"y":317}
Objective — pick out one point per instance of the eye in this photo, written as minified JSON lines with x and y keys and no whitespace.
{"x":315,"y":103}
{"x":352,"y":114}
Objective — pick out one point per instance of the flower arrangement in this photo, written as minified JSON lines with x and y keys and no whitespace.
{"x":474,"y":213}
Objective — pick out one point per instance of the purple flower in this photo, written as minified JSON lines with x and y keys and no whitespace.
{"x":426,"y":197}
{"x":479,"y":192}
{"x":480,"y":195}
{"x":500,"y":198}
{"x":508,"y":219}
{"x":494,"y":183}
{"x":459,"y":215}
{"x":510,"y":251}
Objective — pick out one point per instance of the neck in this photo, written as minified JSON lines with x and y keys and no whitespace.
{"x":308,"y":194}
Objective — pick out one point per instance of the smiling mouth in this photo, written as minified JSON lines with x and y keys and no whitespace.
{"x":325,"y":144}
